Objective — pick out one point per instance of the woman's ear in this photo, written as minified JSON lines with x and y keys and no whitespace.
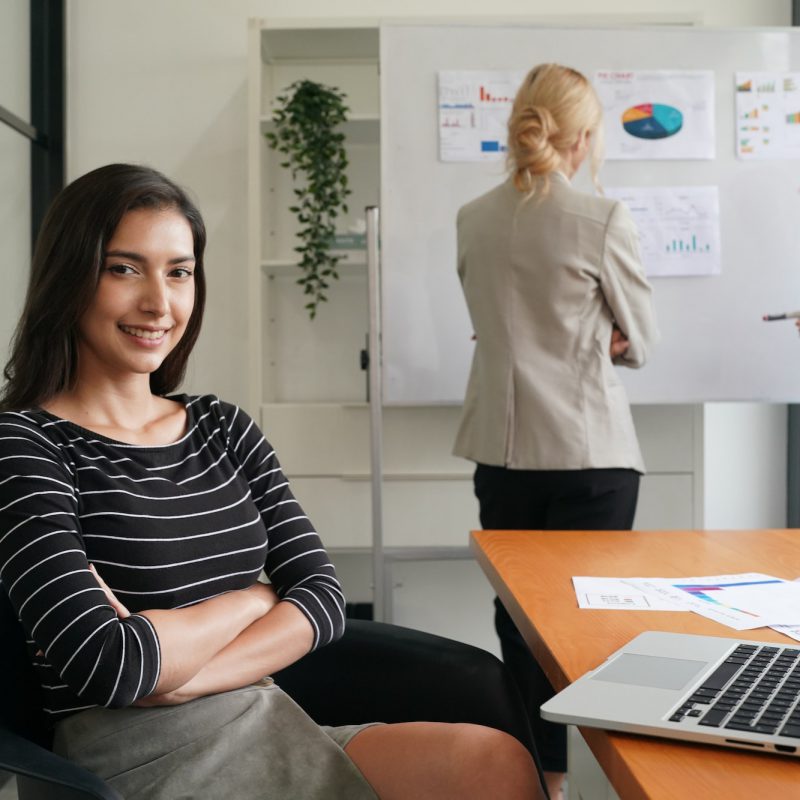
{"x":581,"y":146}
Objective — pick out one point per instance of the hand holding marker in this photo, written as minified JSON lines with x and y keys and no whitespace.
{"x":795,"y":315}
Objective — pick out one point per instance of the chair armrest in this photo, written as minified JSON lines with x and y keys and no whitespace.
{"x":43,"y":775}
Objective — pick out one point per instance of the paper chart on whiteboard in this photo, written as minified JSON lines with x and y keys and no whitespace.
{"x":657,"y":114}
{"x":767,"y":115}
{"x":679,"y":232}
{"x":474,"y":106}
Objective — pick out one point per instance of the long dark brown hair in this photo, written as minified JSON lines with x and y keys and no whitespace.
{"x":65,"y":271}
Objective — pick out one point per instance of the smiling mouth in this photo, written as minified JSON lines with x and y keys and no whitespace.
{"x":142,"y":333}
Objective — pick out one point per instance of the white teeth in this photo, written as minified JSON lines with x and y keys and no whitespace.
{"x":141,"y":333}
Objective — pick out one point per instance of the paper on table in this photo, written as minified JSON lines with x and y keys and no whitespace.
{"x":776,"y":603}
{"x":792,"y":631}
{"x":615,"y":593}
{"x":717,"y":597}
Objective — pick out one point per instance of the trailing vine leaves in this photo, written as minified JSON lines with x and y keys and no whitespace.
{"x":307,"y":117}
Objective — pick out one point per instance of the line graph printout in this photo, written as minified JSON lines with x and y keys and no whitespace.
{"x":657,"y":114}
{"x":767,"y":115}
{"x":742,"y":602}
{"x":678,"y":226}
{"x":474,"y":106}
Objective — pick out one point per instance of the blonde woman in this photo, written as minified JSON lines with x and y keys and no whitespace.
{"x":557,"y":296}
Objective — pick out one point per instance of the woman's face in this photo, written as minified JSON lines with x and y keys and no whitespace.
{"x":144,"y":297}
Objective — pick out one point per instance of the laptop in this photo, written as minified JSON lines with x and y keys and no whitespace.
{"x":710,"y":689}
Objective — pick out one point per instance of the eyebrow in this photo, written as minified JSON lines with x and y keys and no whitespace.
{"x":137,"y":257}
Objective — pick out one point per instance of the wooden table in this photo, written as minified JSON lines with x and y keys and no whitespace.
{"x":531,"y":572}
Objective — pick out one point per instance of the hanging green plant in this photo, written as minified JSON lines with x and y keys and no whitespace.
{"x":307,"y":119}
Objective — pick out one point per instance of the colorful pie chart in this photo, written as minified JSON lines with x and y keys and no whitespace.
{"x":652,"y":121}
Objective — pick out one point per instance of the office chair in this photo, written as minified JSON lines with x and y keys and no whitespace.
{"x":376,"y":672}
{"x":24,"y":738}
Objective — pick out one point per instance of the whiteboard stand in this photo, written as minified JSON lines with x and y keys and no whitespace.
{"x":381,"y":589}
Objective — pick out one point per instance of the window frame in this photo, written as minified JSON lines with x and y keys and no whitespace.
{"x":45,"y":130}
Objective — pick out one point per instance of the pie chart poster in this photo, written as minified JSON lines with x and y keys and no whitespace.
{"x":657,"y":114}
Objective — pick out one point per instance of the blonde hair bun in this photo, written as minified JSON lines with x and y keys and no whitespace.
{"x":553,"y":107}
{"x":532,"y":148}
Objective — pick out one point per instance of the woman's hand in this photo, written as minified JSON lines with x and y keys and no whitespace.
{"x":198,"y":685}
{"x":173,"y":698}
{"x":619,"y":343}
{"x":121,"y":610}
{"x":264,"y":594}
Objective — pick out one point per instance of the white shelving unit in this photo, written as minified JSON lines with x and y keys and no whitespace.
{"x":295,"y":360}
{"x":307,"y":387}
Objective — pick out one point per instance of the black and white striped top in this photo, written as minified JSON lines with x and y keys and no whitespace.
{"x":165,"y":526}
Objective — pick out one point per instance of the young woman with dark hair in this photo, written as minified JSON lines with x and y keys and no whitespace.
{"x":66,"y":267}
{"x":134,"y":526}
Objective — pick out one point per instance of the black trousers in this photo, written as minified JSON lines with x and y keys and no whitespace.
{"x":510,"y":499}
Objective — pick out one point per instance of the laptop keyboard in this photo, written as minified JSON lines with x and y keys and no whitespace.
{"x":755,"y":689}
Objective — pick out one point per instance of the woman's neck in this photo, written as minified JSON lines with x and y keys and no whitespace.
{"x":129,"y":413}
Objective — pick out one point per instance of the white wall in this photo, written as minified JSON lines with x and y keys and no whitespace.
{"x":164,"y":82}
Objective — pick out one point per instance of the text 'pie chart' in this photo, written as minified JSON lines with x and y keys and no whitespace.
{"x":652,"y":121}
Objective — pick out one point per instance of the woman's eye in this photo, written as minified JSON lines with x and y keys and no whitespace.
{"x":181,"y":272}
{"x":121,"y":269}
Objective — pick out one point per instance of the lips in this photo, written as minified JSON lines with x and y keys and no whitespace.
{"x":144,"y":333}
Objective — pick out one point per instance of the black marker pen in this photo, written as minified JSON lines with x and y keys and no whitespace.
{"x":787,"y":315}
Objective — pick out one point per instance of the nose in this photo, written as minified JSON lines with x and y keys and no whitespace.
{"x":155,"y":299}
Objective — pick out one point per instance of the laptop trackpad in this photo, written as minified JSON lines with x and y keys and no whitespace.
{"x":655,"y":671}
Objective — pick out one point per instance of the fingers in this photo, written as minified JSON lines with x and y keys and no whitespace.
{"x":619,"y":343}
{"x":619,"y":348}
{"x":266,"y":594}
{"x":122,"y":611}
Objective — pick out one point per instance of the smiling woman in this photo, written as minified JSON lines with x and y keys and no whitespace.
{"x":134,"y":526}
{"x":70,"y":254}
{"x":139,"y":313}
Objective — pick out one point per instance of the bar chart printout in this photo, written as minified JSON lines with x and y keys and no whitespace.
{"x":474,"y":106}
{"x":767,"y":115}
{"x":678,"y":228}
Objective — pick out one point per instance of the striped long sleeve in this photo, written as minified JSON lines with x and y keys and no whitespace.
{"x":88,"y":655}
{"x":166,"y":527}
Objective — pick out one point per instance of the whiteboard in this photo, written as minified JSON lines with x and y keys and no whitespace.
{"x":715,"y":346}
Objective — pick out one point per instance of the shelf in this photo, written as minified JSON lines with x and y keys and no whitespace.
{"x":358,"y":129}
{"x":388,"y":477}
{"x":286,"y":268}
{"x":409,"y":552}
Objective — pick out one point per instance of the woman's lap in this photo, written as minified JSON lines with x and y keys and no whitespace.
{"x":251,"y":743}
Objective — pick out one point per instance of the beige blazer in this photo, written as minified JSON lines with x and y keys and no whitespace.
{"x":545,"y":282}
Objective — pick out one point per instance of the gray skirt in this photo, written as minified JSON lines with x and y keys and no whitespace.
{"x":252,"y":743}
